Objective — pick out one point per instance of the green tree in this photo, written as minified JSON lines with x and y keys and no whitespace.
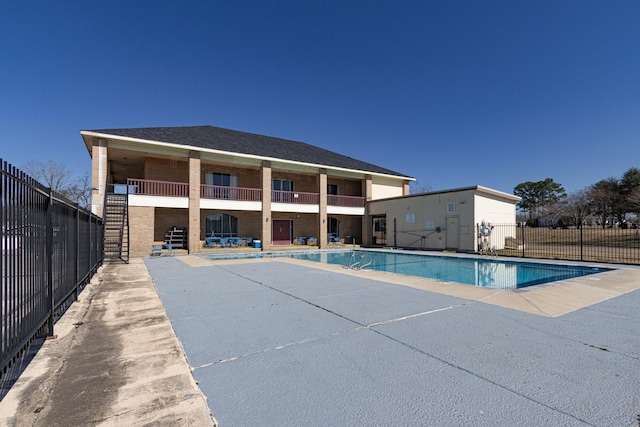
{"x":537,"y":195}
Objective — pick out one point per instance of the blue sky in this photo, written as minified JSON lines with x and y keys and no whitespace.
{"x":453,"y":93}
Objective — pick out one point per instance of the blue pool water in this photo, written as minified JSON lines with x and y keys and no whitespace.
{"x":483,"y":272}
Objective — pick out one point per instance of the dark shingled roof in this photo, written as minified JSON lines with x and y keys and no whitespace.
{"x":233,"y":141}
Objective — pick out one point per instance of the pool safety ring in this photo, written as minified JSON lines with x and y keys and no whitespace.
{"x":485,"y":231}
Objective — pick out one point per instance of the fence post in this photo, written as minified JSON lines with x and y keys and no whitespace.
{"x":49,"y":253}
{"x":581,"y":242}
{"x":4,"y":186}
{"x":77,"y":263}
{"x":89,"y":244}
{"x":524,"y":229}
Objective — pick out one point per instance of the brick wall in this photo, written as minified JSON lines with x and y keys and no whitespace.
{"x":301,"y":182}
{"x":247,"y":177}
{"x":350,"y":226}
{"x":346,"y":187}
{"x":141,"y":230}
{"x":167,"y":218}
{"x":172,"y":170}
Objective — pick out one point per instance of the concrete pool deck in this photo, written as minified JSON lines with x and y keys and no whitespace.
{"x":288,"y":342}
{"x":552,"y":300}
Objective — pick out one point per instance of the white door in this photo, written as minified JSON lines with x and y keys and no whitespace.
{"x":453,"y":232}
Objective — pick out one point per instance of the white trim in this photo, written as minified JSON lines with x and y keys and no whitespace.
{"x":158,"y":201}
{"x":451,"y":207}
{"x":292,"y":207}
{"x":342,"y":210}
{"x":234,"y":205}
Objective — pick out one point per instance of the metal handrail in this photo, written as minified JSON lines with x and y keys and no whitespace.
{"x":295,"y":197}
{"x":345,"y":201}
{"x":357,"y":264}
{"x":149,"y":187}
{"x":220,"y":192}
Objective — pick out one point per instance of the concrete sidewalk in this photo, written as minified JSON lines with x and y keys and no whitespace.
{"x":116,"y":361}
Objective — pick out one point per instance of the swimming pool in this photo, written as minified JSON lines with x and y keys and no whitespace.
{"x":484,"y":272}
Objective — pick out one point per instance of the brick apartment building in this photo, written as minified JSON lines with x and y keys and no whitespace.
{"x":209,"y":181}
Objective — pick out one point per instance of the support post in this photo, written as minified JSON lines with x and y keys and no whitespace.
{"x":49,"y":253}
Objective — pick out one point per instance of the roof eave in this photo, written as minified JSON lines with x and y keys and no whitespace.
{"x":187,"y":148}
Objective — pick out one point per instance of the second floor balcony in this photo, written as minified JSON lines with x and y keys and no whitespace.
{"x":144,"y":187}
{"x":241,"y":194}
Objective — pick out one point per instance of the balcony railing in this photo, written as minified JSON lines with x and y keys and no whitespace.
{"x":230,"y":193}
{"x":181,"y":189}
{"x":157,"y":188}
{"x":345,"y":201}
{"x":295,"y":197}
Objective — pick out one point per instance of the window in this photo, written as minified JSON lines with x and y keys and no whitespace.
{"x":332,"y":189}
{"x":221,"y":225}
{"x":221,"y":180}
{"x":451,"y":207}
{"x":333,"y":229}
{"x":282,"y":185}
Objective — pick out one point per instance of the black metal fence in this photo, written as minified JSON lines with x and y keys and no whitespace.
{"x":50,"y":248}
{"x":587,"y":243}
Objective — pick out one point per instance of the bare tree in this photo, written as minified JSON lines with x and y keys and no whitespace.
{"x":577,"y":206}
{"x":59,"y":178}
{"x":416,"y":187}
{"x":80,"y":190}
{"x":54,"y":175}
{"x":549,"y":213}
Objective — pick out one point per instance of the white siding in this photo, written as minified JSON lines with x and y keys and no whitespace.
{"x":413,"y":222}
{"x":382,"y":188}
{"x":494,"y":211}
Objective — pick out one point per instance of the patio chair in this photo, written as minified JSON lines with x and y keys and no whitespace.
{"x":156,"y":250}
{"x":211,"y":241}
{"x":234,"y":242}
{"x":333,"y":241}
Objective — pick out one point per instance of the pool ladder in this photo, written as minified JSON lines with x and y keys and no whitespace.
{"x":358,"y":262}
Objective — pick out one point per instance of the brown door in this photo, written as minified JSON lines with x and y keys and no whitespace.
{"x":281,"y":232}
